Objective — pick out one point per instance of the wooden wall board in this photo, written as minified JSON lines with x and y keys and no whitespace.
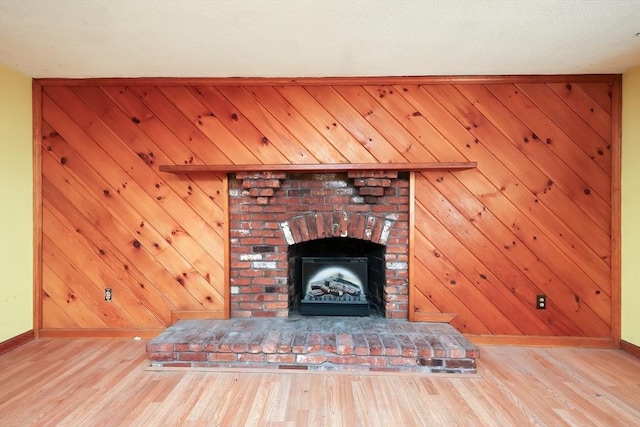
{"x":586,"y":107}
{"x":196,"y":146}
{"x":294,"y":122}
{"x":561,"y":144}
{"x":538,"y":215}
{"x":597,"y":147}
{"x":384,"y":123}
{"x":150,"y":153}
{"x":64,"y":307}
{"x":177,"y":275}
{"x":94,"y":270}
{"x":156,"y":130}
{"x":70,"y":273}
{"x":57,"y":316}
{"x":106,"y":219}
{"x":616,"y":211}
{"x":432,"y":290}
{"x":468,"y":272}
{"x":145,"y":291}
{"x":325,"y":124}
{"x":346,"y":114}
{"x":407,"y":113}
{"x":530,"y":180}
{"x":112,"y":239}
{"x":36,"y":150}
{"x":235,"y":149}
{"x":125,"y":173}
{"x":412,"y":288}
{"x":593,"y":208}
{"x":522,"y":252}
{"x":506,"y":181}
{"x":270,"y":135}
{"x":508,"y":261}
{"x":601,"y":92}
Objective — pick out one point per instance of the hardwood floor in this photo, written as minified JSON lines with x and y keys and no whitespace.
{"x":56,"y":382}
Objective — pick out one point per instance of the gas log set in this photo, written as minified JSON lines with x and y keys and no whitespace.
{"x":334,"y":286}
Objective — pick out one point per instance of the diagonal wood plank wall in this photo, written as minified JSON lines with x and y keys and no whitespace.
{"x":535,"y":217}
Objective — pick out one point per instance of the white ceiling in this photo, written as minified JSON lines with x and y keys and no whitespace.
{"x":317,"y":38}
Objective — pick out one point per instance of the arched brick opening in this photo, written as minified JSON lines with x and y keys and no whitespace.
{"x":320,"y":225}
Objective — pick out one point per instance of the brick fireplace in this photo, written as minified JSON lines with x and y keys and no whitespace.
{"x":278,"y":218}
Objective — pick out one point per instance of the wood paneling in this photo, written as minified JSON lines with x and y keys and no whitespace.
{"x":535,"y":217}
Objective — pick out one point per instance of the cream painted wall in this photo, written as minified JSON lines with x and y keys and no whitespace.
{"x":16,"y":212}
{"x":631,"y":206}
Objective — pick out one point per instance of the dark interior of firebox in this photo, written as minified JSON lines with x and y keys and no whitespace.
{"x":337,"y":276}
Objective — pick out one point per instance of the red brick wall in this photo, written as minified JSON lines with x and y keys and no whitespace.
{"x":269,"y":211}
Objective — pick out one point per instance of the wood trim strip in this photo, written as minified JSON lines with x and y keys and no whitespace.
{"x":36,"y":103}
{"x":616,"y":211}
{"x":433,"y":317}
{"x":412,"y":242}
{"x":227,"y":249}
{"x":630,"y":348}
{"x":344,"y":167}
{"x":100,"y":333}
{"x":541,"y":341}
{"x":17,"y":341}
{"x":197,"y":315}
{"x":325,"y":81}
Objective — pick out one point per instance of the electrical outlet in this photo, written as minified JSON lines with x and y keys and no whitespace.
{"x":541,"y":302}
{"x":108,"y":294}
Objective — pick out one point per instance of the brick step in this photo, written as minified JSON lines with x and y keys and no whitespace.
{"x":315,"y":343}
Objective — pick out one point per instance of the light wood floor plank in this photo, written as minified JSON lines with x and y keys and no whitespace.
{"x":56,"y":382}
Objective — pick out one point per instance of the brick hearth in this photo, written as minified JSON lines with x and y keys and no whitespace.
{"x":315,"y":343}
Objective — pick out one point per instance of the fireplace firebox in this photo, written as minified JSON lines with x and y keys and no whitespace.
{"x":334,"y":286}
{"x":337,"y":277}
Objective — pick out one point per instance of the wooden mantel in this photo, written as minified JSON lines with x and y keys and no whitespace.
{"x":336,"y":167}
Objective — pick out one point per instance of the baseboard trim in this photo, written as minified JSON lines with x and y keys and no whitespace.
{"x":196,"y":315}
{"x":17,"y":341}
{"x":434,"y":317}
{"x":541,"y":341}
{"x":630,"y":348}
{"x":100,"y":333}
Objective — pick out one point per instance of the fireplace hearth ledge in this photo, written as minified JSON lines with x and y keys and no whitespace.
{"x":313,"y":343}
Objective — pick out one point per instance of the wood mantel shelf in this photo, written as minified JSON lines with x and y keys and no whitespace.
{"x":335,"y":167}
